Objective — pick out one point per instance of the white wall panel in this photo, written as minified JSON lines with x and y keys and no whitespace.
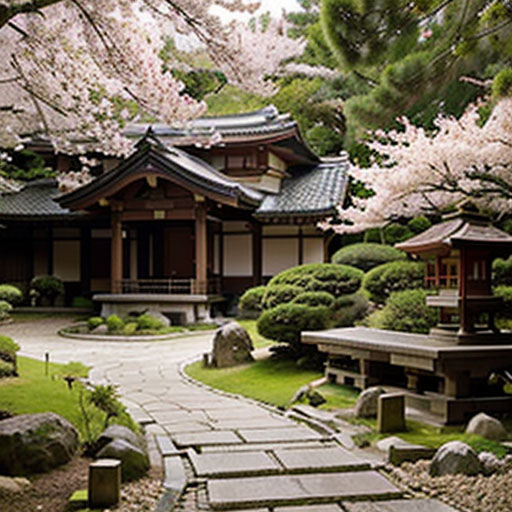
{"x":313,"y":250}
{"x":279,"y":254}
{"x":237,"y":255}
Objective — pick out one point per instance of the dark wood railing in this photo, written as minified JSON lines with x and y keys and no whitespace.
{"x":168,"y":286}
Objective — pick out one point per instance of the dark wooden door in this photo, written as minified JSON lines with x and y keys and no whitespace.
{"x":179,"y":252}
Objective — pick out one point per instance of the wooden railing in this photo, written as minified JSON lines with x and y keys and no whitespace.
{"x":168,"y":286}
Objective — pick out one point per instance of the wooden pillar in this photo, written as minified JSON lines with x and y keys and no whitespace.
{"x":50,"y":251}
{"x":116,"y":252}
{"x":301,"y":247}
{"x":256,"y":254}
{"x":85,"y":259}
{"x":201,"y":248}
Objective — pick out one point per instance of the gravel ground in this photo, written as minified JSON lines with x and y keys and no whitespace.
{"x":465,"y":493}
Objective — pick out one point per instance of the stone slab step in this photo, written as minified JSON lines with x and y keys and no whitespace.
{"x":284,"y":490}
{"x":422,"y":505}
{"x":166,"y":446}
{"x":279,"y":435}
{"x":206,"y":438}
{"x":250,"y":447}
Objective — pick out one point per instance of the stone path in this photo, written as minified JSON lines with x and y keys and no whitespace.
{"x":221,"y":452}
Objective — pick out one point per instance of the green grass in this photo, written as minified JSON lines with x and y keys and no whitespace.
{"x":250,"y":326}
{"x":338,"y":396}
{"x":34,"y":392}
{"x":433,"y":437}
{"x":271,"y":380}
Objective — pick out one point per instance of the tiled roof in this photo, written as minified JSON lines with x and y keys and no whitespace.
{"x":315,"y":192}
{"x":33,"y":202}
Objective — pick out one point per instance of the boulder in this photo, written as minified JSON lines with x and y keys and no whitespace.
{"x":32,"y":443}
{"x":367,"y":403}
{"x":455,"y":458}
{"x":490,"y":463}
{"x":101,"y":329}
{"x":114,"y":432}
{"x":160,"y":317}
{"x":315,"y":398}
{"x":134,"y":461}
{"x":232,"y":345}
{"x":486,"y":426}
{"x":14,"y":485}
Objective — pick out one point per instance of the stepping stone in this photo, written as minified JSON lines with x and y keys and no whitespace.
{"x":187,"y":426}
{"x":175,"y":477}
{"x":321,"y":459}
{"x":234,"y":464}
{"x":245,"y":412}
{"x":299,"y":489}
{"x":251,"y":423}
{"x":278,"y":435}
{"x":426,"y":505}
{"x":207,"y":438}
{"x":169,"y":417}
{"x":310,"y":508}
{"x":166,"y":446}
{"x":265,"y":447}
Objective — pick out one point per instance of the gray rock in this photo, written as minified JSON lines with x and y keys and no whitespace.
{"x":114,"y":432}
{"x":455,"y":458}
{"x":490,"y":463}
{"x":486,"y":426}
{"x":160,"y":317}
{"x":367,"y":403}
{"x":101,"y":329}
{"x":386,"y":443}
{"x":134,"y":461}
{"x":315,"y":398}
{"x":14,"y":485}
{"x":32,"y":443}
{"x":232,"y":345}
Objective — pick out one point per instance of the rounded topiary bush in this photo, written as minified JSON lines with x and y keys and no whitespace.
{"x":502,"y":271}
{"x":366,"y":256}
{"x":284,"y":323}
{"x":130,"y":328}
{"x":5,"y":309}
{"x":314,"y":299}
{"x":321,"y":277}
{"x":8,"y":349}
{"x":419,"y":224}
{"x":347,"y":309}
{"x":405,"y":311}
{"x":280,"y":294}
{"x":11,"y":294}
{"x":381,"y":281}
{"x":395,"y":233}
{"x":94,"y":322}
{"x":252,"y":300}
{"x":48,"y":287}
{"x":148,"y":322}
{"x":114,"y":323}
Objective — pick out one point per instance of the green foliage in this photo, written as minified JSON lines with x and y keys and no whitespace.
{"x":324,"y":140}
{"x":317,"y":277}
{"x":48,"y":287}
{"x":252,"y":299}
{"x":419,"y":224}
{"x":504,"y":316}
{"x":8,"y":346}
{"x":385,"y":279}
{"x":73,"y":369}
{"x":348,"y":309}
{"x":200,"y":82}
{"x":25,"y":165}
{"x":130,"y":328}
{"x":105,"y":398}
{"x":114,"y":323}
{"x":11,"y":294}
{"x":502,"y":271}
{"x":405,"y":311}
{"x":94,"y":321}
{"x":314,"y":299}
{"x":502,"y":83}
{"x":280,"y":294}
{"x":231,"y":100}
{"x":82,"y":302}
{"x":5,"y":309}
{"x":6,"y":369}
{"x":395,"y":233}
{"x":146,"y":321}
{"x":366,"y":256}
{"x":285,"y":322}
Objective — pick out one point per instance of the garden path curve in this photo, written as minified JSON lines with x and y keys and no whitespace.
{"x":222,"y":452}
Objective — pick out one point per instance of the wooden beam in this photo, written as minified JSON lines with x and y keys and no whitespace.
{"x":116,"y":252}
{"x":201,"y":242}
{"x":256,"y":254}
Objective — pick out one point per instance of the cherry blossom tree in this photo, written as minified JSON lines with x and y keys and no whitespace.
{"x":422,"y":172}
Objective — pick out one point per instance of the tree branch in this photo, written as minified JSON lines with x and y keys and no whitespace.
{"x":9,"y":12}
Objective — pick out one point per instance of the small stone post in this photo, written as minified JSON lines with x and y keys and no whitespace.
{"x":104,"y":483}
{"x":390,"y":413}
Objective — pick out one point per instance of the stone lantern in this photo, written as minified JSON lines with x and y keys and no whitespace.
{"x":459,"y":254}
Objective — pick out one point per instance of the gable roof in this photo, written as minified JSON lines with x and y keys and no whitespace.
{"x":309,"y":193}
{"x":154,"y":158}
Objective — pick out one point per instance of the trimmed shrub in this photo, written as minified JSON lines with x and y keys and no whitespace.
{"x":145,"y":322}
{"x":502,"y":271}
{"x":11,"y":294}
{"x":322,"y":277}
{"x":419,"y":224}
{"x":504,"y":317}
{"x":8,"y":346}
{"x":348,"y":309}
{"x":130,"y":328}
{"x":5,"y":309}
{"x":82,"y":302}
{"x":405,"y":311}
{"x":6,"y":369}
{"x":48,"y":287}
{"x":114,"y":323}
{"x":280,"y":294}
{"x":285,"y":322}
{"x":366,"y":256}
{"x":252,"y":299}
{"x":381,"y":281}
{"x":395,"y":233}
{"x":94,"y":321}
{"x":314,"y":299}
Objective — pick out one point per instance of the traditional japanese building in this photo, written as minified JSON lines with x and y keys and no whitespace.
{"x":213,"y":208}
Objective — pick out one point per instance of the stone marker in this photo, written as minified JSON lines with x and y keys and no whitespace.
{"x":104,"y":483}
{"x":399,"y":453}
{"x":232,"y":345}
{"x":390,"y":413}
